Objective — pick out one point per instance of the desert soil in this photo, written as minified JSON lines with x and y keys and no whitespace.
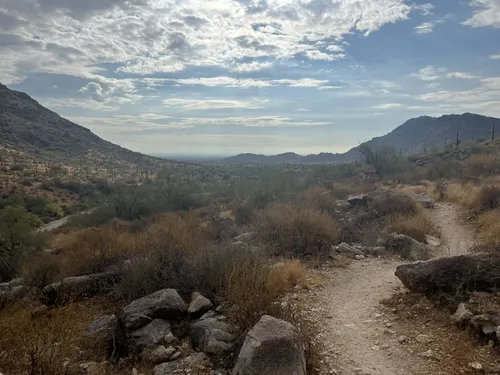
{"x":362,"y":336}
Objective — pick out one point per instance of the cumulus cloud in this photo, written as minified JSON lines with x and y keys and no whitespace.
{"x":495,"y":57}
{"x":153,"y":36}
{"x":486,"y":13}
{"x":253,"y":66}
{"x":318,"y":55}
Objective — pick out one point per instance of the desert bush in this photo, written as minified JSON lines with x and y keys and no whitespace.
{"x":243,"y":214}
{"x":39,"y":345}
{"x":489,"y":227}
{"x":488,"y":198}
{"x":293,"y":230}
{"x":39,"y":269}
{"x":481,"y":165}
{"x":388,"y":203}
{"x":415,"y":226}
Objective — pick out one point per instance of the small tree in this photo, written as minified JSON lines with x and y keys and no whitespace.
{"x":382,"y":158}
{"x":16,"y":228}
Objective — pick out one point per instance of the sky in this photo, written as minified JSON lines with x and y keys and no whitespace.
{"x":223,"y":77}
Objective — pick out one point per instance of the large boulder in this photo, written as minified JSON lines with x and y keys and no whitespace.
{"x":99,"y":335}
{"x":407,"y":247}
{"x":158,"y":332}
{"x":465,"y":273}
{"x":272,"y":347}
{"x":358,"y":200}
{"x":486,"y":324}
{"x":212,"y":336}
{"x":163,"y":304}
{"x":199,"y":305}
{"x":196,"y":363}
{"x":78,"y":286}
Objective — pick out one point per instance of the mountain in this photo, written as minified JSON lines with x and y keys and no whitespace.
{"x":28,"y":127}
{"x":414,"y":136}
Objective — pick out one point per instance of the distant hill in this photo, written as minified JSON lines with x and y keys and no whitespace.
{"x":412,"y":137}
{"x":28,"y":127}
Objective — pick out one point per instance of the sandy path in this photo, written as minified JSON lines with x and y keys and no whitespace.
{"x":457,"y":237}
{"x":355,"y":330}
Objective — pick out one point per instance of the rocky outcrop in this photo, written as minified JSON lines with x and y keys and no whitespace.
{"x":77,"y":287}
{"x":213,"y":337}
{"x":195,"y":362}
{"x":199,"y":305}
{"x":407,"y":247}
{"x":465,"y":273}
{"x":99,"y":335}
{"x":347,"y":251}
{"x":162,"y":304}
{"x":272,"y":347}
{"x":158,"y":332}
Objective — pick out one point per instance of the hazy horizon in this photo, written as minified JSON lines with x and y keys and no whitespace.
{"x":224,"y":77}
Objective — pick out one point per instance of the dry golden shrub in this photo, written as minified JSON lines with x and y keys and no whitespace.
{"x":415,"y":226}
{"x":289,"y":229}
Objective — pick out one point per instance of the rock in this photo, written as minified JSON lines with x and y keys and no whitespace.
{"x":451,"y":275}
{"x":163,"y":304}
{"x":407,"y":247}
{"x":462,"y":314}
{"x":425,"y":201}
{"x":212,"y":336}
{"x":486,"y":323}
{"x":152,"y":334}
{"x":199,"y":305}
{"x":476,"y":365}
{"x":196,"y":361}
{"x":424,"y":339}
{"x":358,"y":200}
{"x":377,"y":251}
{"x":244,"y":237}
{"x":100,"y":333}
{"x":360,"y":257}
{"x":272,"y":347}
{"x":403,"y":339}
{"x":160,"y":355}
{"x":78,"y":286}
{"x":210,"y":314}
{"x":347,"y":251}
{"x":433,"y":241}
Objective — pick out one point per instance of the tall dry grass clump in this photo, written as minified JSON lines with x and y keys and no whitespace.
{"x":293,"y":230}
{"x":488,"y":198}
{"x":415,"y":226}
{"x":489,"y":226}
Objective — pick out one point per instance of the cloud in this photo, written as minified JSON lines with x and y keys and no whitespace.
{"x":303,"y":110}
{"x":425,"y":28}
{"x":254,"y":66}
{"x":495,"y":57}
{"x":198,"y":105}
{"x":318,"y":55}
{"x":486,"y":13}
{"x":152,"y":36}
{"x":388,"y":106}
{"x":224,"y":81}
{"x":431,"y":73}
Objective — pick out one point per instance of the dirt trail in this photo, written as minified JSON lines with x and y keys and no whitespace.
{"x":356,"y":329}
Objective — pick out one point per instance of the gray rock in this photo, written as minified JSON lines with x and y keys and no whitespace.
{"x":272,"y":347}
{"x":78,"y":286}
{"x":152,"y":334}
{"x":347,"y":251}
{"x":425,"y":200}
{"x":160,"y":355}
{"x":199,"y":305}
{"x":163,"y":304}
{"x":196,"y":361}
{"x":377,"y":251}
{"x":462,"y":314}
{"x":407,"y":247}
{"x":100,"y":332}
{"x":212,"y":336}
{"x":486,"y":323}
{"x":424,"y":339}
{"x":452,"y":275}
{"x":358,"y":200}
{"x":209,"y":314}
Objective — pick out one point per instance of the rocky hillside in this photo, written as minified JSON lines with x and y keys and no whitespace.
{"x":414,"y":136}
{"x":28,"y":127}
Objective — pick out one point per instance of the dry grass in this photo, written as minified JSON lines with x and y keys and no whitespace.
{"x":489,"y":227}
{"x":487,"y":198}
{"x":461,"y":193}
{"x":415,"y":226}
{"x":293,"y":230}
{"x":40,"y":344}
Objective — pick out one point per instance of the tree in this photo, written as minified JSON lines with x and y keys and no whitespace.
{"x":383,"y":158}
{"x":16,"y":229}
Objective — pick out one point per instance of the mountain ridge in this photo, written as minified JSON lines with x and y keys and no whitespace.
{"x":413,"y":136}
